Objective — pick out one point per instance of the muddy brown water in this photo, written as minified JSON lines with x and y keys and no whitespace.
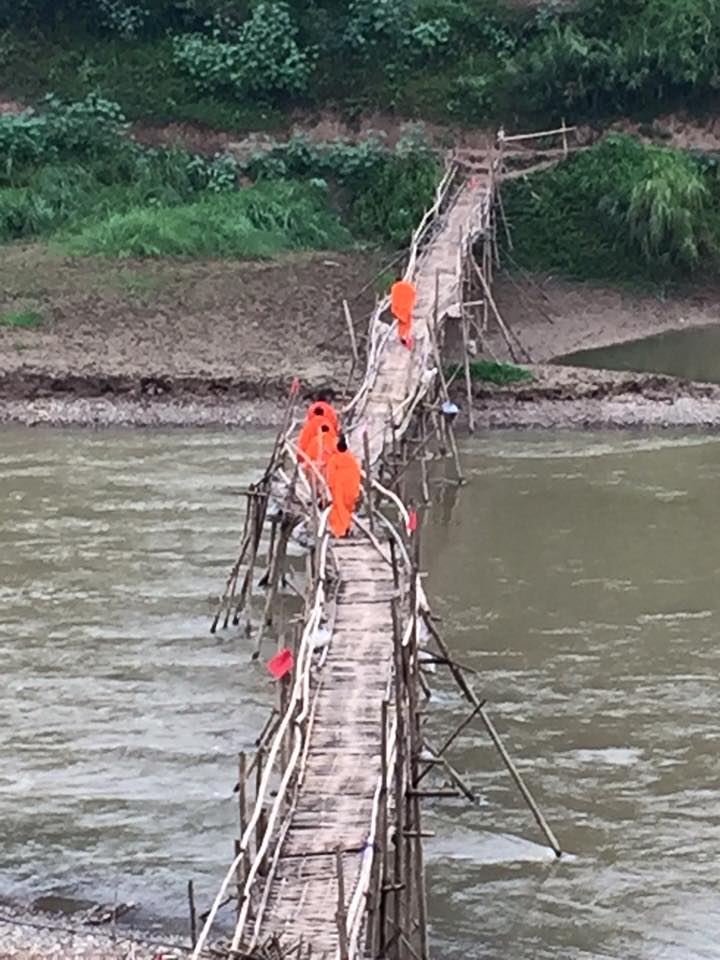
{"x":576,"y":572}
{"x":693,"y":354}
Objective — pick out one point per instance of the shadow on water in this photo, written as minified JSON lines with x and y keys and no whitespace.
{"x":692,"y":354}
{"x":577,"y":573}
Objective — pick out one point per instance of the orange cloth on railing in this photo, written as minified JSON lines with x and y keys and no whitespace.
{"x":344,"y":479}
{"x":402,"y":304}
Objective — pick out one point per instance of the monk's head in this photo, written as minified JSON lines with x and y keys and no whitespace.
{"x":342,"y":443}
{"x":319,"y":412}
{"x":324,"y":396}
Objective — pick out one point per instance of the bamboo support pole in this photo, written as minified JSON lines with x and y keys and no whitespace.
{"x":507,"y":334}
{"x":341,"y":915}
{"x":192,"y":912}
{"x":504,"y":755}
{"x":242,"y":816}
{"x":399,"y":788}
{"x":379,"y":941}
{"x":351,"y":333}
{"x":367,"y":471}
{"x":466,"y":365}
{"x":231,"y":583}
{"x":423,"y":461}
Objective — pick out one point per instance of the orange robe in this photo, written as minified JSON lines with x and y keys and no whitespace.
{"x":312,"y":426}
{"x":402,"y":304}
{"x":320,"y":447}
{"x":343,"y":478}
{"x":329,"y":413}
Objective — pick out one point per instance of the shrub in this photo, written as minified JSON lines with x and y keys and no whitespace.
{"x":388,"y":190}
{"x":621,"y":210}
{"x":261,"y":57}
{"x":621,"y":53}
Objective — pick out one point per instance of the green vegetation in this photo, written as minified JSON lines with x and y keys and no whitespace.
{"x":488,"y":371}
{"x":71,"y":173}
{"x":27,"y":319}
{"x":621,"y":211}
{"x":260,"y":221}
{"x":244,"y":65}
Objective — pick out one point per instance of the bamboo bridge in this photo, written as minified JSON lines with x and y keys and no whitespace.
{"x":329,"y":863}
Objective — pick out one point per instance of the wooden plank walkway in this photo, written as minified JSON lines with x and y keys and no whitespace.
{"x":401,"y":370}
{"x":343,"y":768}
{"x":335,"y":803}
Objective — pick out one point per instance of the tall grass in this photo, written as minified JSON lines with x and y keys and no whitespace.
{"x":258,"y":222}
{"x":621,"y":211}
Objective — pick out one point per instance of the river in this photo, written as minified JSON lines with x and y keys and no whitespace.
{"x":691,"y":353}
{"x":576,"y":572}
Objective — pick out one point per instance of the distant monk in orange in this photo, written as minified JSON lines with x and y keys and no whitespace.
{"x":343,"y":479}
{"x":320,"y":447}
{"x":402,"y":304}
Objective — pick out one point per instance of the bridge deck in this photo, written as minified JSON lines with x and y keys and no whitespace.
{"x":343,"y":766}
{"x":343,"y":769}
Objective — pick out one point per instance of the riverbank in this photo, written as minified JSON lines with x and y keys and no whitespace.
{"x":171,"y":342}
{"x":572,"y":398}
{"x":36,"y":935}
{"x":175,"y":343}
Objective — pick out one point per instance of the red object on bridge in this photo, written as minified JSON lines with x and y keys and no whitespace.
{"x":412,"y":521}
{"x":281,"y":664}
{"x":295,"y":386}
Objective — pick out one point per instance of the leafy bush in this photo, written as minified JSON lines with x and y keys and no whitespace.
{"x":618,"y":211}
{"x":88,"y":128}
{"x":258,"y":222}
{"x":388,"y":190}
{"x":260,"y":57}
{"x":619,"y":54}
{"x":383,"y":25}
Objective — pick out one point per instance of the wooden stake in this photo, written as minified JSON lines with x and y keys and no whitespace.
{"x":341,"y":914}
{"x":505,"y":756}
{"x":351,"y":332}
{"x":193,"y":913}
{"x":368,"y":480}
{"x":466,"y":365}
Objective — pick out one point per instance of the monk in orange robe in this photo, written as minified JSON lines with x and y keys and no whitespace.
{"x":329,"y":412}
{"x":402,"y":304}
{"x":343,"y":479}
{"x":320,"y":447}
{"x":313,"y":422}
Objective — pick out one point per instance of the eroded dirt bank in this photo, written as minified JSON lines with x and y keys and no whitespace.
{"x":565,"y":397}
{"x":172,"y":342}
{"x":167,"y":343}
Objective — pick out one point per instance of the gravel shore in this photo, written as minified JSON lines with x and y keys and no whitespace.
{"x":31,"y":935}
{"x":573,"y":398}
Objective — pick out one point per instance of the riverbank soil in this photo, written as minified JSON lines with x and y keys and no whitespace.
{"x":178,"y":343}
{"x":174,"y":334}
{"x":554,"y":317}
